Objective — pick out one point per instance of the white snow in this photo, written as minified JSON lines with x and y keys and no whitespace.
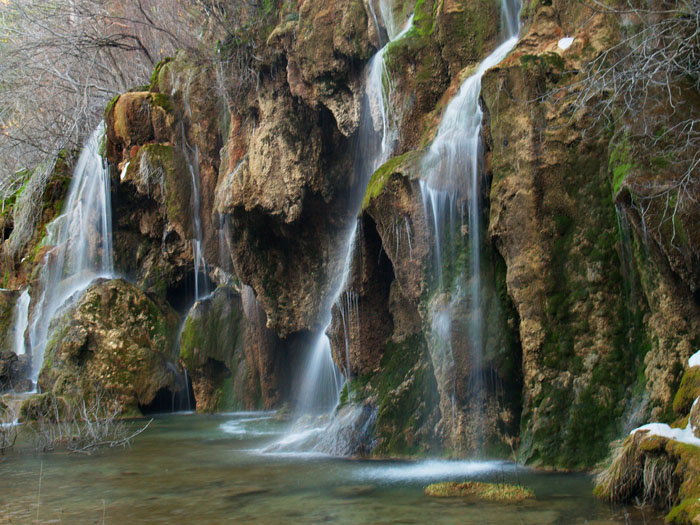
{"x":694,"y":359}
{"x":565,"y":43}
{"x":123,"y":173}
{"x":683,"y":435}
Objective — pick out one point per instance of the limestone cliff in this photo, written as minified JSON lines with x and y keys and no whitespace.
{"x":589,"y":282}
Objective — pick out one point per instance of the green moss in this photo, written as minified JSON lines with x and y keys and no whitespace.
{"x":621,"y":162}
{"x":153,"y":86}
{"x":501,"y":492}
{"x":110,"y":106}
{"x":688,"y":391}
{"x":161,"y":100}
{"x":406,"y":393}
{"x":379,"y":180}
{"x":563,"y":435}
{"x":685,"y":512}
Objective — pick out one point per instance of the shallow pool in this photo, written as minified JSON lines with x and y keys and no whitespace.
{"x":210,"y":469}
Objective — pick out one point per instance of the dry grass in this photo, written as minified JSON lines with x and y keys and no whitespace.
{"x":645,"y":475}
{"x":502,"y":492}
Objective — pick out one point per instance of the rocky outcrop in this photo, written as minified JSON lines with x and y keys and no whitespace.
{"x":589,"y":297}
{"x":233,"y":361}
{"x":115,"y":338}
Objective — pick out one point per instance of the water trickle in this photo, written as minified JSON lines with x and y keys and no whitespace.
{"x":80,"y":240}
{"x":451,"y":176}
{"x":21,"y":322}
{"x":349,"y":308}
{"x":201,"y":286}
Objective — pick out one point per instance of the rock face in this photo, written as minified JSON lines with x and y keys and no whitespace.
{"x":113,"y":337}
{"x":234,"y":363}
{"x":589,"y":252}
{"x":589,"y":298}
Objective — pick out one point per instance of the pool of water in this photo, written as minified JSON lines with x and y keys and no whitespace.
{"x":210,"y":469}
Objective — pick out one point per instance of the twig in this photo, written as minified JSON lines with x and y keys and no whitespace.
{"x":111,"y":443}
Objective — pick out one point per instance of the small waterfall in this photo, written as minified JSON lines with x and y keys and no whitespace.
{"x":21,"y":322}
{"x":318,"y":387}
{"x":201,"y":287}
{"x":80,"y":240}
{"x":451,"y":176}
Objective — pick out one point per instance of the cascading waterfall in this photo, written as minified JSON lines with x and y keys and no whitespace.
{"x":201,"y":288}
{"x":21,"y":322}
{"x":80,"y":240}
{"x":452,"y":171}
{"x":318,"y":388}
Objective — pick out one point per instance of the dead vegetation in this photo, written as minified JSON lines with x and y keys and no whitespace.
{"x":641,"y":472}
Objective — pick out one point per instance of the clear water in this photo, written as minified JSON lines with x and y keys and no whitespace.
{"x":207,"y":469}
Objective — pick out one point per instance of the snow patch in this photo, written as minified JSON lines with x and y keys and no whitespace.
{"x":683,"y":435}
{"x":694,"y":359}
{"x":123,"y":173}
{"x":565,"y":43}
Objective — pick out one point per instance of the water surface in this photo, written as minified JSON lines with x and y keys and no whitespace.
{"x":209,"y":469}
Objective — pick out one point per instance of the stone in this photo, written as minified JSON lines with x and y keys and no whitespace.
{"x":114,"y":338}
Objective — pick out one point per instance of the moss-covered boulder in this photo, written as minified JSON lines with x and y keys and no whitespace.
{"x":232,"y":359}
{"x":113,"y":338}
{"x":654,"y":470}
{"x":211,"y":350}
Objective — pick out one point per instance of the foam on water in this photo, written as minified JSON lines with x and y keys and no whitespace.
{"x":431,"y":470}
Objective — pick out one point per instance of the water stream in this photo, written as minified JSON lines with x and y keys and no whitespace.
{"x":318,"y":387}
{"x":81,"y":244}
{"x":201,"y":286}
{"x":452,"y":172}
{"x":19,"y":344}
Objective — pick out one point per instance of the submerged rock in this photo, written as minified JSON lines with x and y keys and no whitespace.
{"x":115,"y":338}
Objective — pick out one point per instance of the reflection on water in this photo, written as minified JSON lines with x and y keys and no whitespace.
{"x":209,"y":469}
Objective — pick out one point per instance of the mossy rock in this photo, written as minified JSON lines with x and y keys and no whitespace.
{"x":688,"y":391}
{"x":212,"y":349}
{"x":214,"y":329}
{"x":113,"y":338}
{"x":154,"y":86}
{"x":406,"y":165}
{"x":657,"y":471}
{"x":500,"y":492}
{"x":161,"y":171}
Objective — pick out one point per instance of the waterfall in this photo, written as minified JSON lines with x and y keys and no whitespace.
{"x":21,"y":322}
{"x":451,"y":176}
{"x":318,"y":386}
{"x":80,"y":240}
{"x":322,"y":380}
{"x":201,"y":287}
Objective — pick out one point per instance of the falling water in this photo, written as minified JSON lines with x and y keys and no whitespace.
{"x":318,"y":387}
{"x":80,"y":241}
{"x":452,"y":169}
{"x":21,"y":322}
{"x":322,"y":379}
{"x":201,"y":288}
